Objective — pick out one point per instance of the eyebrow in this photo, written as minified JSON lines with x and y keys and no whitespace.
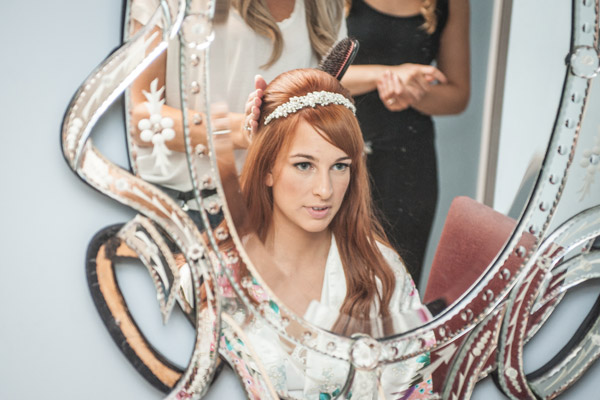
{"x":308,"y":156}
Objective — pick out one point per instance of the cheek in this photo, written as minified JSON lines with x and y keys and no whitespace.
{"x":288,"y":184}
{"x":341,"y":186}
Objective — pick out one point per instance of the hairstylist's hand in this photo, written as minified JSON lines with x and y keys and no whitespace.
{"x":252,"y":110}
{"x":392,"y":92}
{"x":406,"y":84}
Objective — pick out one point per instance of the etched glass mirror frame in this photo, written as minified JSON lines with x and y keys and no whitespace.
{"x":492,"y":317}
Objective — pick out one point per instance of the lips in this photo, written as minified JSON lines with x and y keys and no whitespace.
{"x":318,"y":212}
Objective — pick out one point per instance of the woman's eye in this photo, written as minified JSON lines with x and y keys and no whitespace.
{"x":303,"y":166}
{"x":341,"y":166}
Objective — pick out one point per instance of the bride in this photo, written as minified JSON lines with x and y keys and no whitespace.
{"x":307,"y":193}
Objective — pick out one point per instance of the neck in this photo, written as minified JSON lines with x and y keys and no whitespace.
{"x":281,"y":9}
{"x":294,"y":249}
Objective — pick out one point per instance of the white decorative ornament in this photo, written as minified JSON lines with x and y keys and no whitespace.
{"x":312,"y":99}
{"x":365,"y":353}
{"x":157,"y":129}
{"x":74,"y":128}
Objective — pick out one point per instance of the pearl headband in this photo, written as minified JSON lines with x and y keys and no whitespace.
{"x":297,"y":103}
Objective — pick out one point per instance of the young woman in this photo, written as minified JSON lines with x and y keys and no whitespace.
{"x":306,"y":188}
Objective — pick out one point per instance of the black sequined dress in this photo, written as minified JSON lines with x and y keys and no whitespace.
{"x":402,"y":163}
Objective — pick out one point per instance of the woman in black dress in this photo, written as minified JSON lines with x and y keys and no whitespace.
{"x":396,"y":92}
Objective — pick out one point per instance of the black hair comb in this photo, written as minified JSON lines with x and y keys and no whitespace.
{"x":339,"y":57}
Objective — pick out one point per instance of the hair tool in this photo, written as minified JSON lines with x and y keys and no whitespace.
{"x":339,"y":57}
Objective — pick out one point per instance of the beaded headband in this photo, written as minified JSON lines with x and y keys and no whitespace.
{"x":311,"y":99}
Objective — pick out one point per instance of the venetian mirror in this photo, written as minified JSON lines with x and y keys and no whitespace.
{"x":193,"y":236}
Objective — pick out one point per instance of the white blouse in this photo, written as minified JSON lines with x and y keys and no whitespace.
{"x":236,"y":56}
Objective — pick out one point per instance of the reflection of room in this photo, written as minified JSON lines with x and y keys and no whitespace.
{"x":514,"y":157}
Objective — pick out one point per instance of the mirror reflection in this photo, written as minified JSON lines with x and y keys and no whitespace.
{"x":395,"y":98}
{"x":306,"y":188}
{"x":401,"y":86}
{"x":156,"y":131}
{"x":312,"y":236}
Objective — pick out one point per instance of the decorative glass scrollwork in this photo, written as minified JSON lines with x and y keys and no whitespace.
{"x":484,"y":330}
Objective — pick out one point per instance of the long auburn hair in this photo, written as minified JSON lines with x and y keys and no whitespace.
{"x":323,"y":20}
{"x":355,"y":226}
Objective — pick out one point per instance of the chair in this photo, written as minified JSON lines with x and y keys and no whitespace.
{"x":472,"y":236}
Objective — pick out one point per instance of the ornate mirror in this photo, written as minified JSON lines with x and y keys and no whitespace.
{"x":194,"y":237}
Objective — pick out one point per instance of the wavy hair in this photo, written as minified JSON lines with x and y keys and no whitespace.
{"x":428,"y":8}
{"x":323,"y":20}
{"x":369,"y":278}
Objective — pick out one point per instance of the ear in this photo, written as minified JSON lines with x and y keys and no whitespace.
{"x":269,"y":179}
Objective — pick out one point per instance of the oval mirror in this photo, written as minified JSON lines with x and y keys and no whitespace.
{"x":325,"y":322}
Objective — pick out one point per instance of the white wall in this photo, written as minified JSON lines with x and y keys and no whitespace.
{"x":534,"y":78}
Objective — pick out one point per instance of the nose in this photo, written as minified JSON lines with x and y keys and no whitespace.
{"x":322,"y":186}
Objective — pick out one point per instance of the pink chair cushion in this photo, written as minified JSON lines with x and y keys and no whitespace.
{"x":473,"y":235}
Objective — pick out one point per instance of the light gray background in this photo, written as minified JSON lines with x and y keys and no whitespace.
{"x":52,"y":342}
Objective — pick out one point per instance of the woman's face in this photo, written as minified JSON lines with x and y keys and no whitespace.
{"x":309,"y":182}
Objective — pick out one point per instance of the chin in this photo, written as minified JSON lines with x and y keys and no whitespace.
{"x":317,"y":227}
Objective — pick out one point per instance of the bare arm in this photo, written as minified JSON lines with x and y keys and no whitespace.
{"x":451,"y":97}
{"x":431,"y":90}
{"x":157,"y":70}
{"x":361,"y":79}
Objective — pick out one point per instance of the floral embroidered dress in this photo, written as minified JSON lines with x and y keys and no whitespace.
{"x":297,"y":372}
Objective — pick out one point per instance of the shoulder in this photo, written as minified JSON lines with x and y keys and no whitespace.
{"x":393,"y":259}
{"x":406,"y":292}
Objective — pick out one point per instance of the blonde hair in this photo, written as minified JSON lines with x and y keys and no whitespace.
{"x":323,"y":20}
{"x":427,"y":11}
